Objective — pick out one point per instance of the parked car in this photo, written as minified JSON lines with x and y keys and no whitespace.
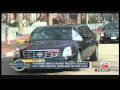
{"x":110,"y":33}
{"x":60,"y":43}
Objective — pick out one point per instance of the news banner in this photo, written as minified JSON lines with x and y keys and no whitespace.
{"x":20,"y":65}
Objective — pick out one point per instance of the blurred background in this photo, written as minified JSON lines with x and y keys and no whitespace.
{"x":13,"y":19}
{"x":25,"y":23}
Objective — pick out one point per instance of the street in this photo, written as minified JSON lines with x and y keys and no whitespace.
{"x":107,"y":52}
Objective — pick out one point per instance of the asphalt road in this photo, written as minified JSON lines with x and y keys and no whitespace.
{"x":107,"y":52}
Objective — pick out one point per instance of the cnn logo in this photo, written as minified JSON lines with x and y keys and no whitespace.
{"x":104,"y":65}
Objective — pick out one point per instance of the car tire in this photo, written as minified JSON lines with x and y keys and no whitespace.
{"x":79,"y":59}
{"x":94,"y":56}
{"x":103,"y":41}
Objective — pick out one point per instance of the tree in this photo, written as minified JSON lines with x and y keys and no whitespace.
{"x":20,"y":22}
{"x":67,"y":18}
{"x":78,"y":18}
{"x":50,"y":19}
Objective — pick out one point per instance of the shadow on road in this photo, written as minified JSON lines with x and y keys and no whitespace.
{"x":42,"y":71}
{"x":45,"y":71}
{"x":110,"y":43}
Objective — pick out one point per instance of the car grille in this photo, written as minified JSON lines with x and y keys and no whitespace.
{"x":112,"y":35}
{"x":40,"y":53}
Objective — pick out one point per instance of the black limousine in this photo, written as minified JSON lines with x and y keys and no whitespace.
{"x":60,"y":43}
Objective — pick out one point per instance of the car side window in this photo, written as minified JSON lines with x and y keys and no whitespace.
{"x":82,"y":30}
{"x":88,"y":30}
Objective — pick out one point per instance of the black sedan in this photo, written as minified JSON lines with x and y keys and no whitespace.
{"x":60,"y":43}
{"x":110,"y":33}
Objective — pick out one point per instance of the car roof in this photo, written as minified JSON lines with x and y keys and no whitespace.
{"x":109,"y":23}
{"x":113,"y":23}
{"x":49,"y":26}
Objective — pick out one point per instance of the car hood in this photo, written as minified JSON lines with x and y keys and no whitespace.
{"x":49,"y":45}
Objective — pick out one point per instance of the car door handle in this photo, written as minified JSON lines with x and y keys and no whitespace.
{"x":89,"y":41}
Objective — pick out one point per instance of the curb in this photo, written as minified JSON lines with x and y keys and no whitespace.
{"x":8,"y":54}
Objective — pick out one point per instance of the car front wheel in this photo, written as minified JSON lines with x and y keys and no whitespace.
{"x":94,"y":56}
{"x":79,"y":59}
{"x":103,"y":41}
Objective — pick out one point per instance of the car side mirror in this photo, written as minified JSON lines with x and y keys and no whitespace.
{"x":85,"y":35}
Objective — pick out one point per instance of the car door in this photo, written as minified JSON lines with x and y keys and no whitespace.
{"x":92,"y":40}
{"x":86,"y":41}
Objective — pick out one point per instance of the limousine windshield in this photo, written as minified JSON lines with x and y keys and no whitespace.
{"x":111,"y":26}
{"x":52,"y":33}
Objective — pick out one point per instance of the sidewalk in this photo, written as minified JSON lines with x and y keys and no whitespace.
{"x":8,"y":50}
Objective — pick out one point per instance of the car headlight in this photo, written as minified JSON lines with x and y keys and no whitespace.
{"x":17,"y":52}
{"x":67,"y":51}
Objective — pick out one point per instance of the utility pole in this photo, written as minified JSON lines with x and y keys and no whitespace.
{"x":67,"y":18}
{"x":117,"y":17}
{"x":50,"y":19}
{"x":87,"y":18}
{"x":78,"y":18}
{"x":112,"y":17}
{"x":20,"y":23}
